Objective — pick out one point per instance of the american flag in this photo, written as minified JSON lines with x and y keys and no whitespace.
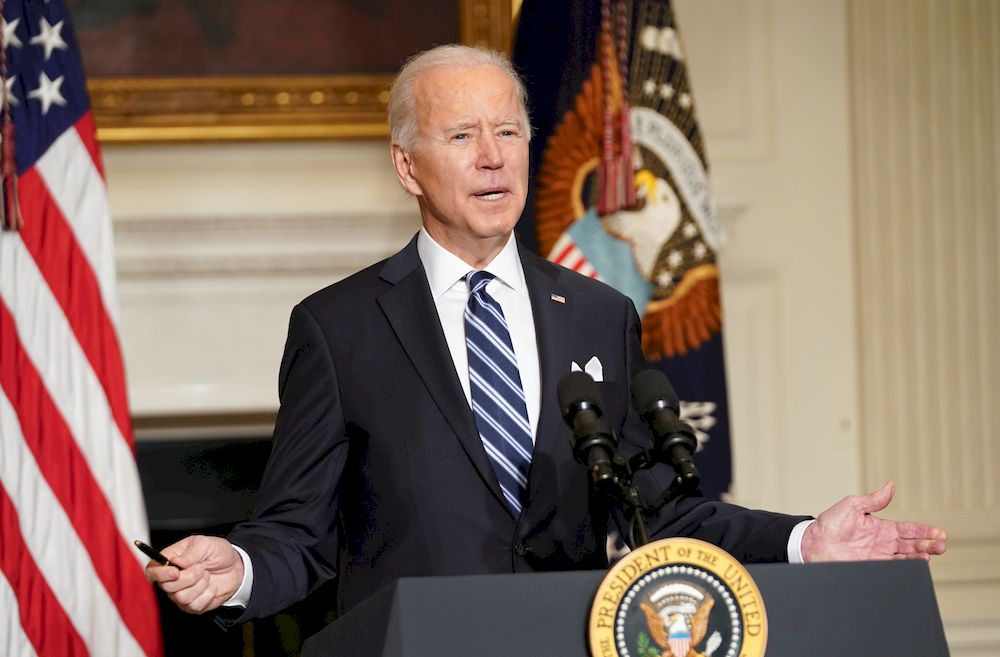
{"x":70,"y":498}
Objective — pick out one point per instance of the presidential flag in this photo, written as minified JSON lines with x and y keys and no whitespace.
{"x":620,"y":191}
{"x":70,"y":501}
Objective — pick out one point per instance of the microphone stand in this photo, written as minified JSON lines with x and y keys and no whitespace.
{"x":621,"y":489}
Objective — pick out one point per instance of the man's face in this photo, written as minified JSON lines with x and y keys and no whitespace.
{"x":469,"y":169}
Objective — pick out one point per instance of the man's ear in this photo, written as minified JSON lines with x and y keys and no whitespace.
{"x":402,"y":160}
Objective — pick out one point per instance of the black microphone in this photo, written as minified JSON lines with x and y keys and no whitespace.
{"x":673,"y":440}
{"x":594,"y":443}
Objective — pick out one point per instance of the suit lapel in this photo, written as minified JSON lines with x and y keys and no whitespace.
{"x":409,"y":308}
{"x":552,"y":309}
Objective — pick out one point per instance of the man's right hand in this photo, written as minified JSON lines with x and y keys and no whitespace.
{"x":205,"y":571}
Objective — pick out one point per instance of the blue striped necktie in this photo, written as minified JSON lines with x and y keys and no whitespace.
{"x":497,"y":395}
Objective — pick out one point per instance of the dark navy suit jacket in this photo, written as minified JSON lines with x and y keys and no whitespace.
{"x":378,"y":472}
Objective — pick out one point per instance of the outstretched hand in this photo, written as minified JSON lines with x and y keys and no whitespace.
{"x":848,"y":531}
{"x":205,"y":571}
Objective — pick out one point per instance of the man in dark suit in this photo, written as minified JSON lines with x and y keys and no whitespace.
{"x":384,"y":464}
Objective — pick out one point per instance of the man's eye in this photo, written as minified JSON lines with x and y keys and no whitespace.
{"x":507,"y":133}
{"x":462,"y":136}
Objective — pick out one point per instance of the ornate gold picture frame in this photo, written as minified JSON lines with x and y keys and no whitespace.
{"x":218,"y":108}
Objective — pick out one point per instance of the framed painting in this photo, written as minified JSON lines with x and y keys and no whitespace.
{"x":187,"y":70}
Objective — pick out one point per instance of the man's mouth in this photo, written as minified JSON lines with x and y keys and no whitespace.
{"x":491,"y":194}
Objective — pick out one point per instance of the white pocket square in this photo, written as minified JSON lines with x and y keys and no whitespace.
{"x":593,"y":368}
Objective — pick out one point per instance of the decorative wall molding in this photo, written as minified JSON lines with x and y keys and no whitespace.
{"x":733,"y":85}
{"x":160,"y":247}
{"x":973,"y":636}
{"x":271,"y":245}
{"x":753,"y":356}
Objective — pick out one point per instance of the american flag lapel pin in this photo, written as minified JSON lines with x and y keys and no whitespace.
{"x":558,"y":298}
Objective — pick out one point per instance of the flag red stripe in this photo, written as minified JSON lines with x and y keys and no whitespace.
{"x":43,"y":619}
{"x":75,"y":287}
{"x":565,"y":252}
{"x":48,"y":340}
{"x":88,"y":134}
{"x":71,"y":480}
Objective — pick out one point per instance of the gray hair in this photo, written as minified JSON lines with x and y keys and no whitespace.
{"x":403,"y":129}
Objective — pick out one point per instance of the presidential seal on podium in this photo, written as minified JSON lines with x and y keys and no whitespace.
{"x":678,"y":597}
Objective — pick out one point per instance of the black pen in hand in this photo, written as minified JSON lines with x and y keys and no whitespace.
{"x":153,"y":554}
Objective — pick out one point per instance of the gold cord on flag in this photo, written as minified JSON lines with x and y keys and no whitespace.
{"x":10,"y":210}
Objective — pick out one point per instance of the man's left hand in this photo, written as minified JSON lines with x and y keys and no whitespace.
{"x":848,"y":531}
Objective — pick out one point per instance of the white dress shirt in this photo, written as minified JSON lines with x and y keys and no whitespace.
{"x":446,"y":274}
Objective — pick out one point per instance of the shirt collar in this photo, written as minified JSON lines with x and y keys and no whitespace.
{"x":444,"y":268}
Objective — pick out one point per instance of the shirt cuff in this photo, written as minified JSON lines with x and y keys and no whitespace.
{"x":242,"y":596}
{"x":795,"y":542}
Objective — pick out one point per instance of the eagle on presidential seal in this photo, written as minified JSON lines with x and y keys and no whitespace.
{"x":677,"y":618}
{"x":623,"y":192}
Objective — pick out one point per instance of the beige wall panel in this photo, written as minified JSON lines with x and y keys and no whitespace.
{"x":926,"y":110}
{"x":770,"y":82}
{"x":733,"y":84}
{"x":755,"y":390}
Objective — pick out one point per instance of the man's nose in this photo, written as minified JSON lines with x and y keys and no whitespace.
{"x":490,"y":154}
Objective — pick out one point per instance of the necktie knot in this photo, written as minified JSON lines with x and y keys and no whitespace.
{"x":478,"y":280}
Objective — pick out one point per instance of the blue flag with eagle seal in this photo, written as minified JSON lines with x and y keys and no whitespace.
{"x":620,"y":192}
